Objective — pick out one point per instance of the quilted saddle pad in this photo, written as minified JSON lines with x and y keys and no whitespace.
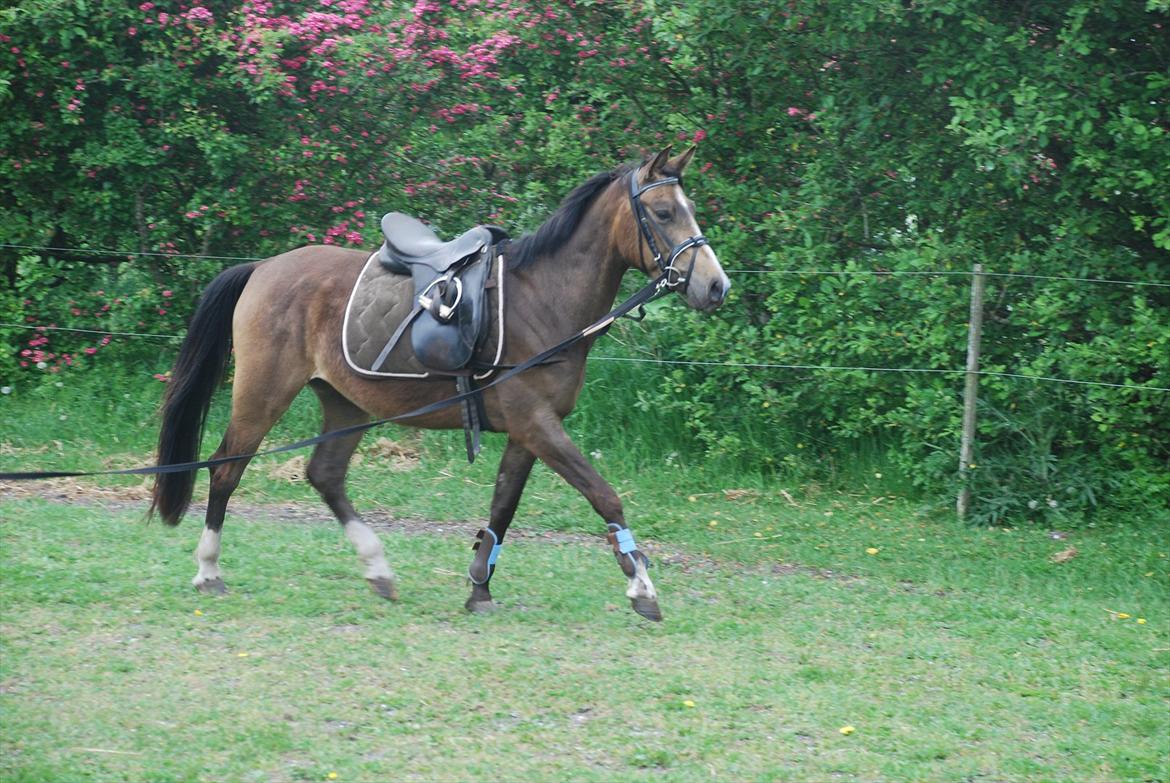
{"x":378,"y":303}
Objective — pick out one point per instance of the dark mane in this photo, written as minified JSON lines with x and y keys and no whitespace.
{"x":560,"y":226}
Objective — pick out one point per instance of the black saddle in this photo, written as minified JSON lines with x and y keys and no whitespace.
{"x":450,"y":317}
{"x":410,"y":243}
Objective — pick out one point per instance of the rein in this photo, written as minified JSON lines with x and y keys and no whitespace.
{"x":647,"y":293}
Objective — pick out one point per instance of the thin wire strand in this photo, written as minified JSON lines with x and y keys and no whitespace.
{"x":771,"y":366}
{"x":151,"y":254}
{"x":796,"y":272}
{"x":939,"y":273}
{"x":90,"y":331}
{"x":875,"y":272}
{"x":696,"y":363}
{"x":1076,"y":279}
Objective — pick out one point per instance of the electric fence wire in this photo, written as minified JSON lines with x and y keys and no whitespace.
{"x":127,"y":253}
{"x":697,"y":363}
{"x":790,"y":272}
{"x":769,"y":366}
{"x":942,"y":273}
{"x":55,"y":328}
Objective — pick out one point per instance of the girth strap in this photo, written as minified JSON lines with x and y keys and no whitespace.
{"x":469,"y":412}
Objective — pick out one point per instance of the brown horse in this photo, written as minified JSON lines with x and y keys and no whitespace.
{"x":283,"y":316}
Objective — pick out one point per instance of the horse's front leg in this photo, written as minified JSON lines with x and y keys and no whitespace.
{"x":515,"y":466}
{"x":554,"y":447}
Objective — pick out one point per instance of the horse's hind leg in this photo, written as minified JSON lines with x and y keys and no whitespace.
{"x":254,"y":411}
{"x":515,"y":466}
{"x":326,"y":472}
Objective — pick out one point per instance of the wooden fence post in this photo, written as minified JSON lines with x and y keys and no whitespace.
{"x":971,"y":389}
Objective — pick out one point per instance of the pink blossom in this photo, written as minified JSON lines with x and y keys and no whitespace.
{"x":199,"y":14}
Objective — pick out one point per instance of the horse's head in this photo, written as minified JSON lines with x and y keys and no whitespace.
{"x":669,"y":240}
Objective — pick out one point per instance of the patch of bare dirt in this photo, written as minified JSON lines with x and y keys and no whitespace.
{"x":393,"y":454}
{"x":292,"y":471}
{"x":67,"y":490}
{"x":136,"y":498}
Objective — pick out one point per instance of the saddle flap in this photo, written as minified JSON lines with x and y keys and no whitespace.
{"x":448,"y":345}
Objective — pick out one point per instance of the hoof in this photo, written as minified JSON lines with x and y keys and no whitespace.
{"x":211,"y":586}
{"x":648,"y":608}
{"x":385,"y":587}
{"x":480,"y":607}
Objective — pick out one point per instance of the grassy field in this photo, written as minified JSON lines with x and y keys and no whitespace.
{"x":811,"y":634}
{"x":953,"y":654}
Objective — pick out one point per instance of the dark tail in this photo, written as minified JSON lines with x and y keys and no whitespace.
{"x":198,"y":372}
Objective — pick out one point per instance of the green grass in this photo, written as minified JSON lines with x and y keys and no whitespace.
{"x":956,"y":653}
{"x":948,"y":667}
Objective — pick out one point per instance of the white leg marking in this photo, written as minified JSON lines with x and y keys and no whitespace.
{"x":640,"y":584}
{"x":207,"y":557}
{"x":369,"y":549}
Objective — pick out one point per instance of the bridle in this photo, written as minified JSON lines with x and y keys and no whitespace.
{"x":671,"y":277}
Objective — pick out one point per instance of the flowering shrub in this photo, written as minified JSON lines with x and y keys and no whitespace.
{"x":864,"y":137}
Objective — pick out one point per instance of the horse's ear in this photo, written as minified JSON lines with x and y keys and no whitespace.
{"x":678,"y":164}
{"x":654,"y":169}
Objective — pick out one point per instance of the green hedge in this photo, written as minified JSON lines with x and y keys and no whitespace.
{"x":849,"y":139}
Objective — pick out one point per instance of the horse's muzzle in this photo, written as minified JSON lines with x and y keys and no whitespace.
{"x":707,"y":291}
{"x":717,"y":291}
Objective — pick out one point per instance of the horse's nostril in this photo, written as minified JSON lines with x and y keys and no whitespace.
{"x":717,"y":292}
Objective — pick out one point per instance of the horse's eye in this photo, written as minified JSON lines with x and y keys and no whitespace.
{"x":663,"y":214}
